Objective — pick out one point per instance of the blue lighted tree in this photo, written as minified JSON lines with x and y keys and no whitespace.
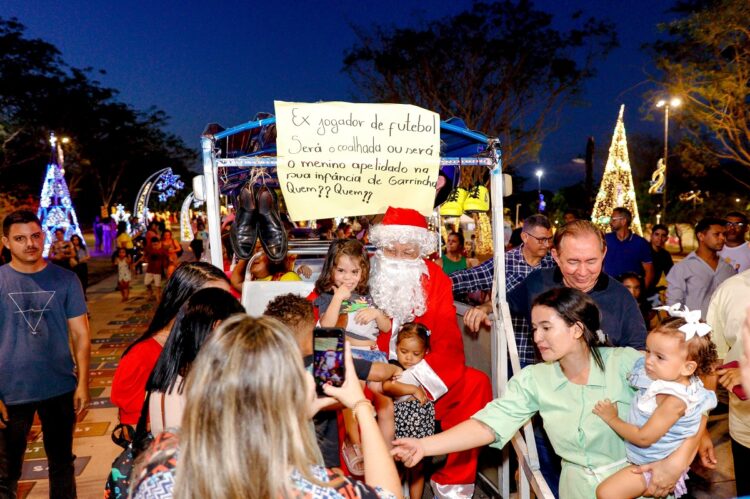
{"x":55,"y":206}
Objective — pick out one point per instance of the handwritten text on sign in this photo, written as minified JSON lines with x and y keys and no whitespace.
{"x":338,"y":158}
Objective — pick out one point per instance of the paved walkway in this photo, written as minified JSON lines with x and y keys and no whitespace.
{"x":115,"y":324}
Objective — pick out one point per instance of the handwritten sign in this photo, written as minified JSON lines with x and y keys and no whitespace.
{"x":339,"y":158}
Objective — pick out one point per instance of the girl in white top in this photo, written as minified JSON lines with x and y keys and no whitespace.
{"x":669,"y":403}
{"x":200,"y":315}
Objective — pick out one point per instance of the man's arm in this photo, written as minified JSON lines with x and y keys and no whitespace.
{"x":79,"y":332}
{"x":477,"y":278}
{"x":648,"y":277}
{"x":3,"y":415}
{"x":676,"y":286}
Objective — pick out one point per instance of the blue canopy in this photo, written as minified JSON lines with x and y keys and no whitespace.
{"x":258,"y":138}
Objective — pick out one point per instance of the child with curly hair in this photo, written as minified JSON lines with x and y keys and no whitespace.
{"x":669,"y":403}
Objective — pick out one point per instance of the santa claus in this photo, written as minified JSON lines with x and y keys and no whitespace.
{"x":409,"y":288}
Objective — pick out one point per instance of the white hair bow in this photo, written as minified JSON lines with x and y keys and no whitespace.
{"x":692,"y":318}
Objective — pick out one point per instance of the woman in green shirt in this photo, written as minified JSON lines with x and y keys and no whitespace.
{"x":576,"y":373}
{"x":454,"y":260}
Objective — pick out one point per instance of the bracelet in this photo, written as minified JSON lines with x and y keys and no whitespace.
{"x":360,"y":403}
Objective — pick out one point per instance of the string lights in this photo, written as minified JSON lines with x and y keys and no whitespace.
{"x":616,"y":189}
{"x":484,"y":234}
{"x":55,"y":206}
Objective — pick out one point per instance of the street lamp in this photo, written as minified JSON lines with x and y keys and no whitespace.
{"x":673,"y":103}
{"x":539,"y":174}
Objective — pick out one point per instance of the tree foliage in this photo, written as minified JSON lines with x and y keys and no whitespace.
{"x":113,"y":147}
{"x":500,"y":66}
{"x":705,"y":59}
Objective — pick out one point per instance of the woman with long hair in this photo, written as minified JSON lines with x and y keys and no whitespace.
{"x":129,"y":382}
{"x":246,"y":428}
{"x":80,"y":261}
{"x":202,"y":313}
{"x":577,"y":372}
{"x":173,"y":249}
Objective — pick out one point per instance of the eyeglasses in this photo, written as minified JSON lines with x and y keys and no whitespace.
{"x":735,"y":225}
{"x":401,"y":254}
{"x":540,"y":240}
{"x":614,"y":219}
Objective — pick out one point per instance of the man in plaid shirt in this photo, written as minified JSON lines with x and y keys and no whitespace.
{"x":519,"y":262}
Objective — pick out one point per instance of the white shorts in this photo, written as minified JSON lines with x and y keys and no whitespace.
{"x":152,"y":278}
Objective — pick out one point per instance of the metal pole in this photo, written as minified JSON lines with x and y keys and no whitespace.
{"x":666,"y":153}
{"x":518,"y":207}
{"x":213,"y":216}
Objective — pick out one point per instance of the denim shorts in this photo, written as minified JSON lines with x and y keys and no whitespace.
{"x":370,"y":354}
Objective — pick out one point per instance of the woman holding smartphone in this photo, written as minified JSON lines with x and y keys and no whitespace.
{"x":243,"y":412}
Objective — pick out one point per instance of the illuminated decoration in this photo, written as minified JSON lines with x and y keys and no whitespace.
{"x":120,"y":215}
{"x":616,"y":189}
{"x":55,"y":206}
{"x":694,"y":196}
{"x":186,"y":230}
{"x":658,"y":178}
{"x":484,"y":234}
{"x":165,"y":184}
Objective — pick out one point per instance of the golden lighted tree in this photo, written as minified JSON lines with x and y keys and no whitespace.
{"x":616,"y":188}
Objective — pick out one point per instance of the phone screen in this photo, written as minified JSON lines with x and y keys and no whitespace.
{"x":328,"y":357}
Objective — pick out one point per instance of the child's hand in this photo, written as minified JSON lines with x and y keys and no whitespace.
{"x":341,"y":292}
{"x":420,"y":395}
{"x":368,"y":315}
{"x":605,"y":410}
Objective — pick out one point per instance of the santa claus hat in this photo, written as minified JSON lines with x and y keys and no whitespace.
{"x":404,"y":225}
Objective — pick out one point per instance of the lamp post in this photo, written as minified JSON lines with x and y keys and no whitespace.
{"x":673,"y":103}
{"x":539,"y":174}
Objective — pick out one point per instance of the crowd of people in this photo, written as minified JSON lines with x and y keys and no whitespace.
{"x":619,"y":365}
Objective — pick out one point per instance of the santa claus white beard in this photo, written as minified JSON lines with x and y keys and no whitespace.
{"x":396,"y":287}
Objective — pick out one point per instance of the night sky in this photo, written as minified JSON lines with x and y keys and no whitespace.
{"x":224,"y":61}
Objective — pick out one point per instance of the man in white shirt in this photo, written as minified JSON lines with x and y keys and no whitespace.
{"x":736,"y":250}
{"x":726,"y":315}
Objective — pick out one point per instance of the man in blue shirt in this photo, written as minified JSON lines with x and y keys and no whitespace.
{"x":40,"y":306}
{"x":579,"y":250}
{"x":626,"y":251}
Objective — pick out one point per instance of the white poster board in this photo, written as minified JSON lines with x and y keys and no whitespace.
{"x":339,"y":158}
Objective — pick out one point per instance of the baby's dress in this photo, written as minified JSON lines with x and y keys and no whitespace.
{"x":413,"y":420}
{"x":695,"y":395}
{"x":123,"y":270}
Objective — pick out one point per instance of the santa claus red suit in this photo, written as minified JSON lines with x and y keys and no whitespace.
{"x":459,"y":391}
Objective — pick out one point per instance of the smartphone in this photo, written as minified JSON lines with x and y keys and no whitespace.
{"x":737,"y":389}
{"x":328,"y":357}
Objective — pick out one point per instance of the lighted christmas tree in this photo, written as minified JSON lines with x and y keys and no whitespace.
{"x":55,"y":206}
{"x":616,"y":189}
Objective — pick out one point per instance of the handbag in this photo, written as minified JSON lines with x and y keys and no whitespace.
{"x":118,"y":480}
{"x":123,"y":435}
